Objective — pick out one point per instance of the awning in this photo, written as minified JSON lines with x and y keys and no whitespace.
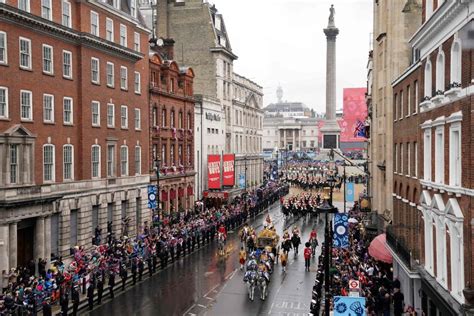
{"x":190,"y":191}
{"x":172,"y":194}
{"x":181,"y":192}
{"x":216,"y":195}
{"x":378,"y":249}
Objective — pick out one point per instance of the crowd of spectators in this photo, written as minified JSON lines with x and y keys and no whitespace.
{"x":98,"y":271}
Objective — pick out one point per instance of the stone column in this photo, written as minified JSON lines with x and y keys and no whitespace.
{"x":64,"y":229}
{"x":103,"y":211}
{"x":13,"y":245}
{"x":4,"y":241}
{"x":47,"y":239}
{"x":39,"y":239}
{"x":84,"y":223}
{"x":132,"y":205}
{"x":117,"y":215}
{"x":284,"y":138}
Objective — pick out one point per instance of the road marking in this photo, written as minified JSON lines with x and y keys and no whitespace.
{"x":187,"y":311}
{"x":209,"y":292}
{"x":200,"y":305}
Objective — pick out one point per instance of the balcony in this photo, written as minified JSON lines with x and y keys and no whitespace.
{"x":398,"y":246}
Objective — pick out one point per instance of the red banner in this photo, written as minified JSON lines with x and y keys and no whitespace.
{"x":214,"y":171}
{"x":228,"y":173}
{"x":355,"y":110}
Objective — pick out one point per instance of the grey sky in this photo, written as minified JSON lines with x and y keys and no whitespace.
{"x":282,"y":41}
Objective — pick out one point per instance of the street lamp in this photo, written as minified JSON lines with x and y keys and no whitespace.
{"x":327,"y":208}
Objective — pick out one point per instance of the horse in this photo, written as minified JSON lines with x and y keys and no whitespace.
{"x":221,"y":244}
{"x":250,"y":279}
{"x":286,"y":245}
{"x":296,"y":241}
{"x":263,"y":278}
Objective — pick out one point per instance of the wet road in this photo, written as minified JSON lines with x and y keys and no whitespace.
{"x":204,"y":284}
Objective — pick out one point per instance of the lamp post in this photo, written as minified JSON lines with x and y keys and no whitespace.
{"x":245,"y":161}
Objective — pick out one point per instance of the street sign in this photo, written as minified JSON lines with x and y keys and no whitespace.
{"x":152,"y":192}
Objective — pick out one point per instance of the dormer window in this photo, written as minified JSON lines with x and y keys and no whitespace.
{"x":117,"y":4}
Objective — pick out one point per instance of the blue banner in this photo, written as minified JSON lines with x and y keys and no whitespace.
{"x":349,"y":192}
{"x":346,"y":305}
{"x":341,"y":231}
{"x":242,"y":180}
{"x":152,"y":193}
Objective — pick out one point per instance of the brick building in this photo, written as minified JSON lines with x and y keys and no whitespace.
{"x":172,"y":130}
{"x":74,"y":133}
{"x":431,"y":235}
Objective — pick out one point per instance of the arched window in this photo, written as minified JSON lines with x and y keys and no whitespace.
{"x":456,"y":58}
{"x":428,"y":80}
{"x":172,"y":118}
{"x":440,"y":82}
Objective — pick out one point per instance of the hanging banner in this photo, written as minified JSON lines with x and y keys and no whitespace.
{"x":341,"y":231}
{"x":241,"y":180}
{"x":214,"y":171}
{"x":350,"y":192}
{"x":349,"y":306}
{"x":228,"y":174}
{"x":152,"y":193}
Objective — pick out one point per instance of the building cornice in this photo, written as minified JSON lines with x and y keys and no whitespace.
{"x":407,"y":72}
{"x":224,"y":51}
{"x":25,"y":19}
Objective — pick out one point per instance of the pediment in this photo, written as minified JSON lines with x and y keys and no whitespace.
{"x":425,"y":198}
{"x":453,"y":208}
{"x":437,"y":203}
{"x":19,"y":130}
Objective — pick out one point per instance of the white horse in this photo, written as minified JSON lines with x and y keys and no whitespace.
{"x":221,"y":244}
{"x":263,"y":280}
{"x":250,"y":279}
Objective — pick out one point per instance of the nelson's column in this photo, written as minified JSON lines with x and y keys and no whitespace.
{"x":331,"y":130}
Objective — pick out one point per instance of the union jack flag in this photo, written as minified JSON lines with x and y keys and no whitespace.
{"x":360,"y":130}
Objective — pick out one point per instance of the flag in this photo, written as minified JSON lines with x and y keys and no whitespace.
{"x":345,"y":306}
{"x":350,"y":192}
{"x":360,"y":130}
{"x":341,"y":231}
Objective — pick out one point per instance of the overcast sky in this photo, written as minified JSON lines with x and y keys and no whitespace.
{"x":282,"y":42}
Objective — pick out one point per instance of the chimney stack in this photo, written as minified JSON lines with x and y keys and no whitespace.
{"x":162,"y":19}
{"x":168,"y":47}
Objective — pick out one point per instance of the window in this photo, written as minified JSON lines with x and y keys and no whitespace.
{"x":14,"y":170}
{"x":117,"y":4}
{"x":25,"y":53}
{"x":133,"y":8}
{"x":408,"y":101}
{"x":110,"y":160}
{"x":163,"y":117}
{"x":417,"y":98}
{"x":172,"y":118}
{"x":396,"y":157}
{"x":439,"y":155}
{"x":67,"y":64}
{"x":3,"y":102}
{"x":46,"y":9}
{"x":137,"y":83}
{"x":24,"y":5}
{"x":138,"y":160}
{"x":401,"y":104}
{"x":123,"y":35}
{"x":189,"y":121}
{"x":428,"y":80}
{"x":172,"y":161}
{"x":48,"y":108}
{"x":408,"y":159}
{"x":109,"y":29}
{"x":110,"y":115}
{"x":110,"y":75}
{"x":395,"y":107}
{"x":48,"y":163}
{"x":66,"y":13}
{"x":3,"y":48}
{"x":26,"y":104}
{"x":428,"y":9}
{"x":95,"y":70}
{"x":180,"y":154}
{"x":456,"y":63}
{"x":124,"y":116}
{"x":172,"y":85}
{"x":67,"y":111}
{"x":124,"y":161}
{"x":95,"y":161}
{"x":455,"y":167}
{"x":68,"y":170}
{"x":95,"y":110}
{"x":440,"y":72}
{"x":154,"y":114}
{"x":416,"y":158}
{"x":47,"y":59}
{"x":163,"y":154}
{"x":123,"y":78}
{"x":427,"y":155}
{"x":189,"y":155}
{"x":180,"y":120}
{"x":94,"y":23}
{"x":136,"y":41}
{"x":138,"y":123}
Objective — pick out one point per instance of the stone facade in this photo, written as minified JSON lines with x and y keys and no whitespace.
{"x":81,"y":92}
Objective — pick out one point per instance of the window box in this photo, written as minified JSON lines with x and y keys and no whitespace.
{"x":426,"y":104}
{"x":454,"y":90}
{"x":438,"y":98}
